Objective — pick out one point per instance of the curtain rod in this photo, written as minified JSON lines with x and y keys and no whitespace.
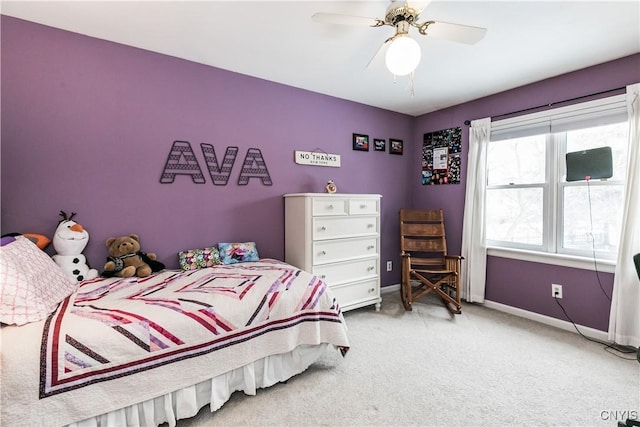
{"x":468,"y":122}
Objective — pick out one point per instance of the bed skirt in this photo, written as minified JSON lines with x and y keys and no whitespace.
{"x":186,"y":402}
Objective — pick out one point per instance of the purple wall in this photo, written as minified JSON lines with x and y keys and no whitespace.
{"x":527,"y":285}
{"x":87,"y":126}
{"x":521,"y":284}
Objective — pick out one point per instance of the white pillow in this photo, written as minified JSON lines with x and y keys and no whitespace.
{"x":31,"y":283}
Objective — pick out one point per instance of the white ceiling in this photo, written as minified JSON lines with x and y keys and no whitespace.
{"x":526,"y":41}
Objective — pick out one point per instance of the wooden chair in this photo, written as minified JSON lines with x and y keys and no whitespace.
{"x":426,"y":266}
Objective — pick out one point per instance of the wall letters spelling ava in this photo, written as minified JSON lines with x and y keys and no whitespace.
{"x":182,"y":161}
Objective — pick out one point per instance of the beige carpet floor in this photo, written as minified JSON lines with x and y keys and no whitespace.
{"x":429,"y":368}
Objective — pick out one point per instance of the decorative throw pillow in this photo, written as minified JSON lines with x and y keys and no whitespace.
{"x":31,"y":283}
{"x":232,"y":253}
{"x":40,"y":240}
{"x":5,"y":240}
{"x":194,"y":259}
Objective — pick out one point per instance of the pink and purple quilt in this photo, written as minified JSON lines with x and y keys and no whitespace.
{"x":149,"y":336}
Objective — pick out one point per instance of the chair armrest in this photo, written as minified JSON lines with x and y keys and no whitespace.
{"x":453,"y":263}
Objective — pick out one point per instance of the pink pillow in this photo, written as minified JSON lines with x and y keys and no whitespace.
{"x":31,"y":283}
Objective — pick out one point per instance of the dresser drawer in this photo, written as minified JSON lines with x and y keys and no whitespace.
{"x":352,"y":293}
{"x":325,"y":251}
{"x":329,"y":206}
{"x":342,"y":272}
{"x":363,"y":206}
{"x":332,"y":228}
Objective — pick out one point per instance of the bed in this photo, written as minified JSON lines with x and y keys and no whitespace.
{"x":144,"y":351}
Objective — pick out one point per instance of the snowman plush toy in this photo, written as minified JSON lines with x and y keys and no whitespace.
{"x":69,"y":241}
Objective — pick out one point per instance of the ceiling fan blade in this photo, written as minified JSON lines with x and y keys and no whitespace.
{"x":455,"y":32}
{"x":418,"y":5}
{"x":379,"y":53}
{"x":335,"y":18}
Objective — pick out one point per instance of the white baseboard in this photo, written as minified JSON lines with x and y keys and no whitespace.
{"x":390,"y":288}
{"x":547,"y":320}
{"x":536,"y":317}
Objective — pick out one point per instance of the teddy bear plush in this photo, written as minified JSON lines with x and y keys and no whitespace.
{"x":126,"y":260}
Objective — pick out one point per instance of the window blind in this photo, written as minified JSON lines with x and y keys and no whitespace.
{"x":583,"y":115}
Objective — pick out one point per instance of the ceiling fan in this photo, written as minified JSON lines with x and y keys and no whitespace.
{"x":402,"y":52}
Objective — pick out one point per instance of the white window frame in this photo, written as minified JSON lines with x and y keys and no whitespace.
{"x":554,"y":124}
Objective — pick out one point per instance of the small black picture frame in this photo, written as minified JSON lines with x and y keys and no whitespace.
{"x":360,"y":142}
{"x":379,"y":144}
{"x":395,"y":146}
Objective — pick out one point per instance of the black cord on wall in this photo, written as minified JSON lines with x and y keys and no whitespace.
{"x":593,"y":243}
{"x":611,"y":346}
{"x":607,"y":347}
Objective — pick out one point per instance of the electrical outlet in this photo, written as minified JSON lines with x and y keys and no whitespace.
{"x":389,"y":265}
{"x":556,"y":290}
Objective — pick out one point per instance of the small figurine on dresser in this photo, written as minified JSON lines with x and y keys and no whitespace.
{"x":331,"y":187}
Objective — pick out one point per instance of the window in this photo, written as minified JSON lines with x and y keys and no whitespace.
{"x":515,"y":191}
{"x":531,"y":206}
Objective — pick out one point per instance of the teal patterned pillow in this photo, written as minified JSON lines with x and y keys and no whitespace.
{"x":232,"y":253}
{"x":194,"y":259}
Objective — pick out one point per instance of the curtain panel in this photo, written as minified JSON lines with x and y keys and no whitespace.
{"x":474,"y":248}
{"x":624,"y":318}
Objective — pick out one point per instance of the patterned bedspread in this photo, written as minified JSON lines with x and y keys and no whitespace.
{"x":142,"y":338}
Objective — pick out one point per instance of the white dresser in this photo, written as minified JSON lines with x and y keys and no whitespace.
{"x":337,"y":238}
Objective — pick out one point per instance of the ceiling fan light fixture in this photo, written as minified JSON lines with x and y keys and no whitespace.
{"x":403,"y":55}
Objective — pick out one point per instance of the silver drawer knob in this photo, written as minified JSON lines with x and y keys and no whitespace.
{"x":370,"y":247}
{"x":322,"y":253}
{"x":370,"y":225}
{"x":370,"y":268}
{"x":363,"y":206}
{"x":323,"y":228}
{"x":330,"y":207}
{"x":323,"y":277}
